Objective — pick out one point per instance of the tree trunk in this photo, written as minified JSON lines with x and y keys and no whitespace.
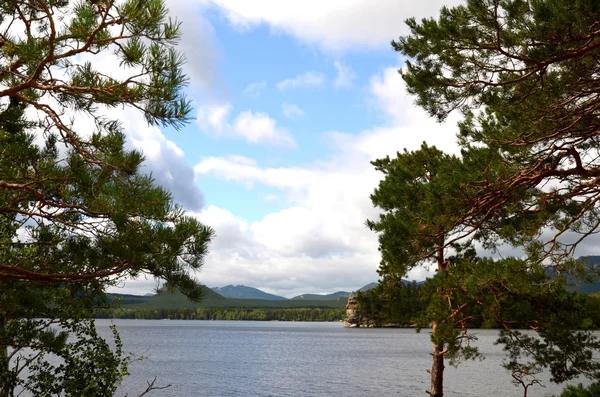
{"x":437,"y":365}
{"x":5,"y":383}
{"x":4,"y":374}
{"x":437,"y":369}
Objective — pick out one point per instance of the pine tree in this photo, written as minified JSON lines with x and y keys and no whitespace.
{"x":422,"y":197}
{"x":524,"y":74}
{"x":76,"y":213}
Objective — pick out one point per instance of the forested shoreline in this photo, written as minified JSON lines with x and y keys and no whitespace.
{"x":405,"y":304}
{"x":500,"y":209}
{"x":249,"y":314}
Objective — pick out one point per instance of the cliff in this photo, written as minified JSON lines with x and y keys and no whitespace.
{"x":353,"y":318}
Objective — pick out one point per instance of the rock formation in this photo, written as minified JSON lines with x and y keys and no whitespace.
{"x":353,"y":317}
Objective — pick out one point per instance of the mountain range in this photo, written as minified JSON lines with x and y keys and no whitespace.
{"x":245,"y":292}
{"x":231,"y":296}
{"x":241,"y":296}
{"x":318,"y":297}
{"x":593,"y":262}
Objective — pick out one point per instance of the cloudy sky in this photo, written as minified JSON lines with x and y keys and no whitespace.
{"x":293,"y":99}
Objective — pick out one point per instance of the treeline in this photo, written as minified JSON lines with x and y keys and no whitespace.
{"x":406,"y":304}
{"x":399,"y":304}
{"x":224,"y":314}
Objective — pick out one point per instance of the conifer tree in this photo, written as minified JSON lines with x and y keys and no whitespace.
{"x":422,"y":197}
{"x":76,"y":213}
{"x":525,"y":76}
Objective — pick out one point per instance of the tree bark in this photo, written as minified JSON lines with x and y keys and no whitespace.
{"x":437,"y":369}
{"x":5,"y":383}
{"x":437,"y":365}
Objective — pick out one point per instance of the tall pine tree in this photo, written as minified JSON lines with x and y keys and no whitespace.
{"x":525,"y":76}
{"x":76,"y":213}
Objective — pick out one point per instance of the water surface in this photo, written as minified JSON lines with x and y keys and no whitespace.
{"x":246,"y":358}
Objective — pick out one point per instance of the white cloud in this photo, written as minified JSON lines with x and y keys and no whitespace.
{"x":317,"y":243}
{"x":320,"y":228}
{"x":388,"y":90}
{"x":197,"y":43}
{"x":214,"y":118}
{"x":345,"y":75}
{"x":164,"y":160}
{"x":291,"y":111}
{"x":259,"y":127}
{"x":253,"y":90}
{"x":252,"y":127}
{"x":406,"y":125}
{"x":242,"y":169}
{"x":302,"y":80}
{"x":333,"y":24}
{"x":289,"y":252}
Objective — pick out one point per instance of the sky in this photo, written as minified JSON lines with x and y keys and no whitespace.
{"x":292,"y":101}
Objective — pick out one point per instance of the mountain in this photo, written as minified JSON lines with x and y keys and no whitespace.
{"x":243,"y":292}
{"x":410,"y":282}
{"x":340,"y":295}
{"x":167,"y":300}
{"x":593,"y":262}
{"x":374,"y":285}
{"x":211,"y":299}
{"x":369,"y":286}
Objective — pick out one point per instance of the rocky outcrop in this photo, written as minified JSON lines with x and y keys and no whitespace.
{"x":353,"y":317}
{"x":351,"y":311}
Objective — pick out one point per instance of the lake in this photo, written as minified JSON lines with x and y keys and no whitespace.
{"x":247,"y":358}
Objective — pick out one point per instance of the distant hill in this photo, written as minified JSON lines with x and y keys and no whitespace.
{"x":125,"y":299}
{"x":336,"y":296}
{"x":410,"y":282}
{"x":368,"y":287}
{"x":591,"y":262}
{"x":590,"y":259}
{"x":211,"y":299}
{"x":166,"y":300}
{"x":239,"y":296}
{"x":589,"y":288}
{"x":243,"y":292}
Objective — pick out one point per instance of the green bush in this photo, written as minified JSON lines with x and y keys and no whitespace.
{"x":592,"y":390}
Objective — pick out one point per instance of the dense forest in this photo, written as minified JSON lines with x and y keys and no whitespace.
{"x":305,"y":314}
{"x":398,"y":306}
{"x":176,"y":306}
{"x":405,"y":304}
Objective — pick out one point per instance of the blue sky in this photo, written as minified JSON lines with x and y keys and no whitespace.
{"x":292,"y":101}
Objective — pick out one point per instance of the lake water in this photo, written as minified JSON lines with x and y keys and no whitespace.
{"x":245,"y":358}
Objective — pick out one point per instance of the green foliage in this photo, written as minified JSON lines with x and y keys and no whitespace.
{"x":524,"y":74}
{"x":420,"y":199}
{"x":397,"y":305}
{"x":230,"y":313}
{"x":515,"y":295}
{"x":76,"y":213}
{"x":423,"y":196}
{"x":592,"y":390}
{"x":85,"y":366}
{"x":137,"y":32}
